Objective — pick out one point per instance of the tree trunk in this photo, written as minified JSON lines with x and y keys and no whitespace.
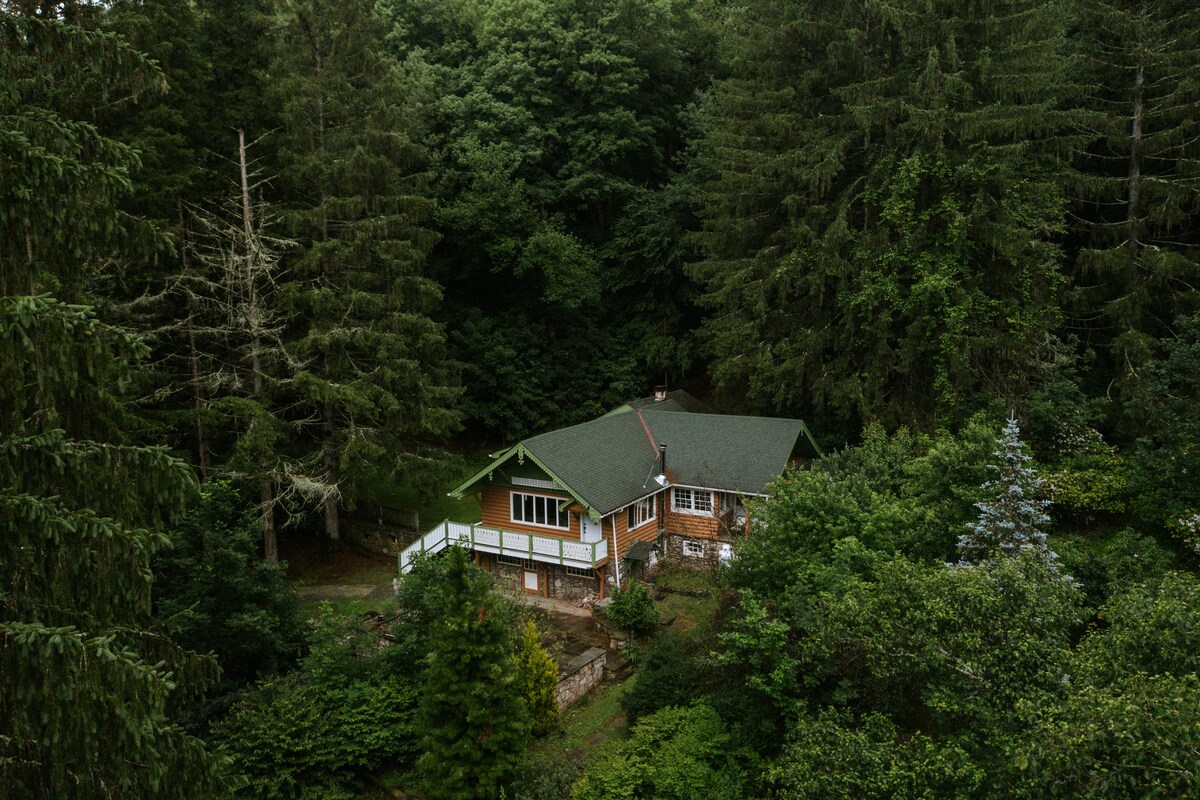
{"x":331,"y":502}
{"x":266,"y":486}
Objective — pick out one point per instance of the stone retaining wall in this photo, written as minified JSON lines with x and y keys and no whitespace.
{"x":579,"y":676}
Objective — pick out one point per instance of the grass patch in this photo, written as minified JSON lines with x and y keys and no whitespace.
{"x":688,"y":612}
{"x":688,"y":580}
{"x":591,"y":727}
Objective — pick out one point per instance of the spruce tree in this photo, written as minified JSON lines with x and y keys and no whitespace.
{"x":474,"y":721}
{"x":85,"y":682}
{"x":1010,"y":524}
{"x":880,"y":187}
{"x":1137,"y":195}
{"x":375,"y":382}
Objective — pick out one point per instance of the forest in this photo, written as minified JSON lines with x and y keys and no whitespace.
{"x":265,"y":263}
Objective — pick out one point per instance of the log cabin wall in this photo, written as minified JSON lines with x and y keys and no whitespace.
{"x":497,"y":513}
{"x":691,"y":526}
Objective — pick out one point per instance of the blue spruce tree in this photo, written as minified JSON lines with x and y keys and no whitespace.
{"x":1009,"y":525}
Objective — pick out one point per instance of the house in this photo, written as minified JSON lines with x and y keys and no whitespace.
{"x":567,"y":513}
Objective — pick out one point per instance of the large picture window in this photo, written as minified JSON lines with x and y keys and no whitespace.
{"x":641,"y":512}
{"x":536,"y":509}
{"x":692,"y":501}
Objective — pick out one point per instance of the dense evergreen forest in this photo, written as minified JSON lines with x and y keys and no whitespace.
{"x":259,"y":259}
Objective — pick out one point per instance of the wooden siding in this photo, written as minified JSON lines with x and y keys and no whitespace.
{"x":497,"y":513}
{"x":643,"y":533}
{"x":692,"y":526}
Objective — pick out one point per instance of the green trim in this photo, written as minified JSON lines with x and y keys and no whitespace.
{"x":488,"y":470}
{"x":808,"y":435}
{"x":593,"y":513}
{"x":521,"y":452}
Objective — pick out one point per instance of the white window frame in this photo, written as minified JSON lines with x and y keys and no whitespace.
{"x":683,"y":501}
{"x":643,"y":511}
{"x":693,"y":549}
{"x":581,"y":572}
{"x":549,"y":503}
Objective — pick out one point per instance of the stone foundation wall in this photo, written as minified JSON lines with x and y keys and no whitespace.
{"x":563,"y":586}
{"x":571,"y":587}
{"x":676,"y":555}
{"x":584,"y":672}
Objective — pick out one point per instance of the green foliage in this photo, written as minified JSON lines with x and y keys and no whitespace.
{"x":321,"y":729}
{"x":1167,"y":457}
{"x":473,"y":720}
{"x":892,"y":493}
{"x":375,"y":387}
{"x":558,"y":122}
{"x":1136,"y":200}
{"x":833,"y":756}
{"x":632,"y":609}
{"x":879,"y":188}
{"x":667,"y":675}
{"x":1136,"y":738}
{"x":292,"y":737}
{"x":215,"y":595}
{"x":539,"y":674}
{"x":86,"y":685}
{"x":674,"y":754}
{"x":1152,"y":628}
{"x":64,"y":179}
{"x":1091,"y":480}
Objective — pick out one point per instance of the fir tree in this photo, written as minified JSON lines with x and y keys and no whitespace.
{"x":1009,"y":525}
{"x":375,"y":378}
{"x":474,"y":722}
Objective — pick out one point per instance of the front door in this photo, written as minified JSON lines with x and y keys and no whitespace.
{"x":531,"y":581}
{"x":592,"y":529}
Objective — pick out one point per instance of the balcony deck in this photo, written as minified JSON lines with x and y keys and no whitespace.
{"x":547,"y":549}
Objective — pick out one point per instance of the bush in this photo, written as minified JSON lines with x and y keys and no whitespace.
{"x":317,"y":731}
{"x":633,"y":609}
{"x":675,"y":754}
{"x":666,"y":677}
{"x":540,"y":677}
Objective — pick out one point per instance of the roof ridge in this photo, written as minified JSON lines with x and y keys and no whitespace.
{"x":646,"y":428}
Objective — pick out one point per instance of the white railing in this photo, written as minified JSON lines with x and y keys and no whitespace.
{"x":549,"y":549}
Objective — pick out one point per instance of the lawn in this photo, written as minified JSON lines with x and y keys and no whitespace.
{"x":590,"y":728}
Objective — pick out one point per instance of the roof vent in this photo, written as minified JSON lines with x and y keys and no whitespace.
{"x":660,"y":393}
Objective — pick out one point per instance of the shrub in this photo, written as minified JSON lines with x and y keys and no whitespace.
{"x":539,"y":676}
{"x":632,"y":609}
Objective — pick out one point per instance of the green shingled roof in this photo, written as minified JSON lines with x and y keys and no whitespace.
{"x":610,"y":462}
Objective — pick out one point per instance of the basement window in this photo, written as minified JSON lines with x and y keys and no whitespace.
{"x":693,"y":549}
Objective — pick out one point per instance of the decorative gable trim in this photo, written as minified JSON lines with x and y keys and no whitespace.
{"x":521,"y":453}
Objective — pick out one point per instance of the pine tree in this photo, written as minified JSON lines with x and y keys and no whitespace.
{"x":85,"y":682}
{"x":474,"y":722}
{"x":1009,"y":525}
{"x":880,"y":185}
{"x":235,"y":346}
{"x":375,"y":378}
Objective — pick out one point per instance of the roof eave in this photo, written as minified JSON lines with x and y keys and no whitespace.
{"x":521,"y":452}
